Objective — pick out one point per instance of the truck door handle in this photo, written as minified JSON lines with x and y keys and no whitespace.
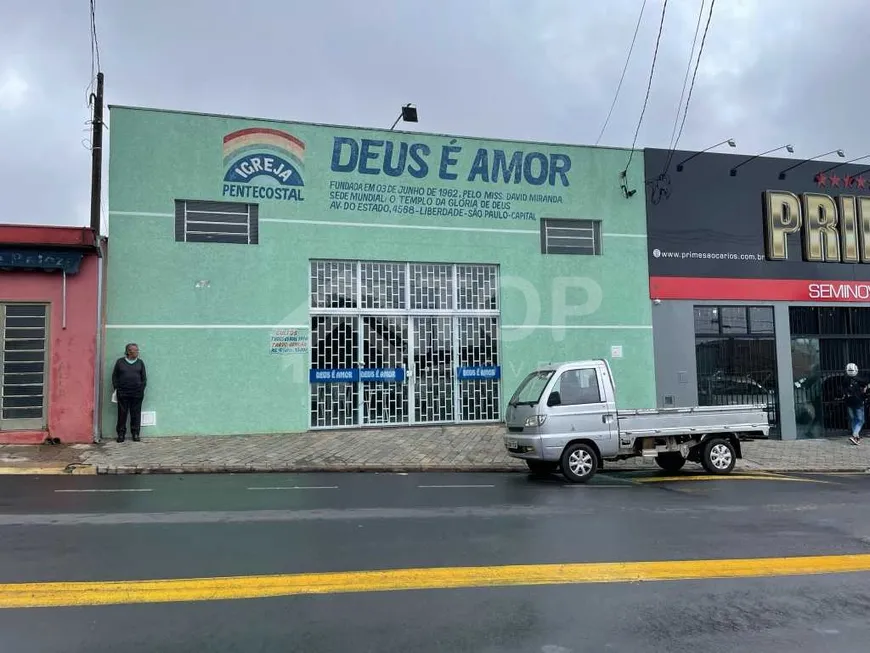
{"x":605,"y":418}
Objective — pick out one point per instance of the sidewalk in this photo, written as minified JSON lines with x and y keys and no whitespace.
{"x":453,"y":448}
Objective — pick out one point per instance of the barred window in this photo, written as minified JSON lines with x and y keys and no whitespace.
{"x":23,"y":338}
{"x":578,"y":237}
{"x":216,"y":222}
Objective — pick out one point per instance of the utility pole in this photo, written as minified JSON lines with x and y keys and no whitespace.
{"x":97,"y":157}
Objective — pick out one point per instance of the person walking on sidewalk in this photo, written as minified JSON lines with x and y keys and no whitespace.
{"x":128,"y":381}
{"x":855,"y":396}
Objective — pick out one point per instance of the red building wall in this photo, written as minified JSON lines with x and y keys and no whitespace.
{"x":72,"y":352}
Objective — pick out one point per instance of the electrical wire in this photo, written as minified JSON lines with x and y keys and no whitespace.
{"x":695,"y":73}
{"x":94,"y":41}
{"x":649,"y":85}
{"x":622,"y":77}
{"x":685,"y":84}
{"x":96,"y":66}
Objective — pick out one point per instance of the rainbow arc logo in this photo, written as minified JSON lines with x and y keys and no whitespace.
{"x":263,"y":163}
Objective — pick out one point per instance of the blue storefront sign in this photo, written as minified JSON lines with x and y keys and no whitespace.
{"x":334,"y":376}
{"x":488,"y":373}
{"x":387,"y":374}
{"x":353,"y":375}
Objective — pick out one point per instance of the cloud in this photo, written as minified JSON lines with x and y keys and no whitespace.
{"x":773,"y":72}
{"x":13,"y":91}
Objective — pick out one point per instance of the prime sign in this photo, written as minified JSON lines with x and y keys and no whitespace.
{"x":830,"y":230}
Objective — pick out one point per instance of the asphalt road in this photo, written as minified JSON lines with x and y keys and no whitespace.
{"x":129,"y":528}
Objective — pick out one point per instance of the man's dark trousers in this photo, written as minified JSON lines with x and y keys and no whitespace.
{"x":131,"y":406}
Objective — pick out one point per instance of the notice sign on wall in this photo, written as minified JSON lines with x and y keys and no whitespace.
{"x":289,"y":341}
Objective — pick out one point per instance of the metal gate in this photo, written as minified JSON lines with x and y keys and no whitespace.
{"x":403,"y":343}
{"x":824,"y":341}
{"x":23,"y":366}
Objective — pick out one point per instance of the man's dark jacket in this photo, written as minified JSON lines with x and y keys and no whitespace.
{"x":129,"y":379}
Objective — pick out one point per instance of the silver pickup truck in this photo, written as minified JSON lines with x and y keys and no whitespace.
{"x":564,"y":417}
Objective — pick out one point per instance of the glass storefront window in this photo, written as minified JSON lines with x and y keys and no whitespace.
{"x":806,"y":370}
{"x":733,"y":320}
{"x":824,"y":340}
{"x":706,"y":320}
{"x":735,"y":353}
{"x":761,"y":319}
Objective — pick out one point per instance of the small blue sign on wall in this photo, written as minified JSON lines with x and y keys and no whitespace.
{"x":334,"y":376}
{"x":386,"y":374}
{"x":482,"y":373}
{"x":352,"y":375}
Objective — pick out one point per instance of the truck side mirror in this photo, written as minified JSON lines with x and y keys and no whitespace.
{"x":555,"y":399}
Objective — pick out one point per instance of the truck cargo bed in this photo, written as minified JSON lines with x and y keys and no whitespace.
{"x":749,"y":418}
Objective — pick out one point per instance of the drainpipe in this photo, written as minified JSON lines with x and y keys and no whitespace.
{"x":63,"y":301}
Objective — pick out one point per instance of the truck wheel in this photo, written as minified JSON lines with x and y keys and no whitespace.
{"x":670,"y":461}
{"x":579,"y":462}
{"x":541,"y":467}
{"x":718,"y":456}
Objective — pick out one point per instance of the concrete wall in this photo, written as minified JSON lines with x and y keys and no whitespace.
{"x":674,"y":342}
{"x":72,"y":350}
{"x":207,"y":346}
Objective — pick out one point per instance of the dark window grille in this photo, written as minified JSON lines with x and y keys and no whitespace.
{"x":834,"y":321}
{"x":216,"y":222}
{"x":735,"y":354}
{"x":578,"y":237}
{"x":824,"y":340}
{"x":23,"y":342}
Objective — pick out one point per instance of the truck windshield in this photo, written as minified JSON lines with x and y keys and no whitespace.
{"x":531,"y":388}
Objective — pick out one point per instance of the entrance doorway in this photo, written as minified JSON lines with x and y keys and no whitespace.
{"x":403,"y":343}
{"x":824,"y":341}
{"x":735,"y":354}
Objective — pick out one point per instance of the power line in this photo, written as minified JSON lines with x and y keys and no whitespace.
{"x":685,"y":84}
{"x":649,"y":84}
{"x":695,"y":73}
{"x":96,"y":67}
{"x":622,"y":77}
{"x":95,"y":44}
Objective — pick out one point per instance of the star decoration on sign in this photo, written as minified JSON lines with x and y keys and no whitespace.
{"x":823,"y":180}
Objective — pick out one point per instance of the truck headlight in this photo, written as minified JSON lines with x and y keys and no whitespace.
{"x":536,"y":420}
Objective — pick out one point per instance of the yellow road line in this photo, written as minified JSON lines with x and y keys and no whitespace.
{"x":33,"y":595}
{"x":727,"y":477}
{"x":782,"y":476}
{"x":76,"y":470}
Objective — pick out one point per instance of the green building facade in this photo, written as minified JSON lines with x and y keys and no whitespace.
{"x":280,"y":277}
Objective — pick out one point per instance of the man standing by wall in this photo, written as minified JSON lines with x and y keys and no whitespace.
{"x":128,"y":381}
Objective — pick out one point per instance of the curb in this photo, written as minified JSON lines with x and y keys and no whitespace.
{"x":73,"y":469}
{"x":390,"y":469}
{"x":301,"y":469}
{"x":832,"y":470}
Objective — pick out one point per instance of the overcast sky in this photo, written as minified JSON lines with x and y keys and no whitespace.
{"x":773,"y":72}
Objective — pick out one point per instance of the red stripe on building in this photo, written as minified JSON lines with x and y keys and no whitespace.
{"x":795,"y":290}
{"x":263,"y":130}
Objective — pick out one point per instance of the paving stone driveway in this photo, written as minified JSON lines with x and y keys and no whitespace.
{"x":452,"y":448}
